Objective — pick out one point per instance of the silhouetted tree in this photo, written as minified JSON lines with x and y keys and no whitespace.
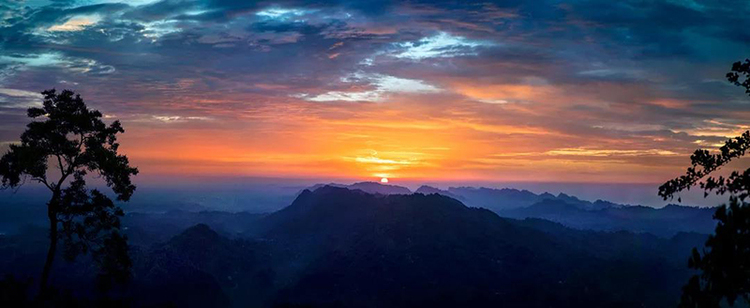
{"x":724,"y":262}
{"x":73,"y":141}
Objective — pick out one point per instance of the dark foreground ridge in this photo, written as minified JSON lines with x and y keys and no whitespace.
{"x":406,"y":250}
{"x":337,"y":247}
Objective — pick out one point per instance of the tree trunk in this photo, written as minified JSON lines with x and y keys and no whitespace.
{"x":52,"y":215}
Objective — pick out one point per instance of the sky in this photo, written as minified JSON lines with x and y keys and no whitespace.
{"x":525,"y":91}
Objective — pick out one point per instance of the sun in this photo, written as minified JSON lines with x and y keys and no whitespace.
{"x":384,"y":180}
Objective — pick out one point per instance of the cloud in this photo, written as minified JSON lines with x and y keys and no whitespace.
{"x":77,"y":23}
{"x":154,"y":30}
{"x":441,"y":45}
{"x":383,"y":87}
{"x":175,"y":119}
{"x":21,"y":99}
{"x":609,"y":152}
{"x":282,"y":14}
{"x":58,"y":60}
{"x":614,"y":74}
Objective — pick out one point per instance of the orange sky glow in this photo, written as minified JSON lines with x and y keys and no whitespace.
{"x":400,"y":90}
{"x":413,"y":138}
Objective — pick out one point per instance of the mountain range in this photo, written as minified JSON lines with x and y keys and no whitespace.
{"x":364,"y":249}
{"x":342,"y":247}
{"x":565,"y":209}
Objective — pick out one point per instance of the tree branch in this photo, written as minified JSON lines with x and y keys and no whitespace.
{"x":43,"y":181}
{"x":63,"y":174}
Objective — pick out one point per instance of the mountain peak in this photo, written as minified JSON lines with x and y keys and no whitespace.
{"x":383,"y":189}
{"x":368,"y":187}
{"x":200,"y":229}
{"x":427,"y":190}
{"x":200,"y":233}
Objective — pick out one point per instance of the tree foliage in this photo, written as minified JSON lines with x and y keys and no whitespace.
{"x":740,"y":75}
{"x":704,"y":163}
{"x":724,"y":262}
{"x":66,"y":142}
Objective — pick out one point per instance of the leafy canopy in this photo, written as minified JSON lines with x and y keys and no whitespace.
{"x":724,"y":262}
{"x":75,"y":138}
{"x":66,"y":142}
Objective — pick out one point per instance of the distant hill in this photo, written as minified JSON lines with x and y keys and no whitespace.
{"x":581,"y":214}
{"x":666,"y":221}
{"x":201,"y":268}
{"x":497,"y":199}
{"x":151,"y":228}
{"x":489,"y":198}
{"x":424,"y":189}
{"x":503,"y":199}
{"x":369,"y":187}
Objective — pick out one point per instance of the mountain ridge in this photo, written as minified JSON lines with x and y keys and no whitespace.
{"x":566,"y":209}
{"x":391,"y":250}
